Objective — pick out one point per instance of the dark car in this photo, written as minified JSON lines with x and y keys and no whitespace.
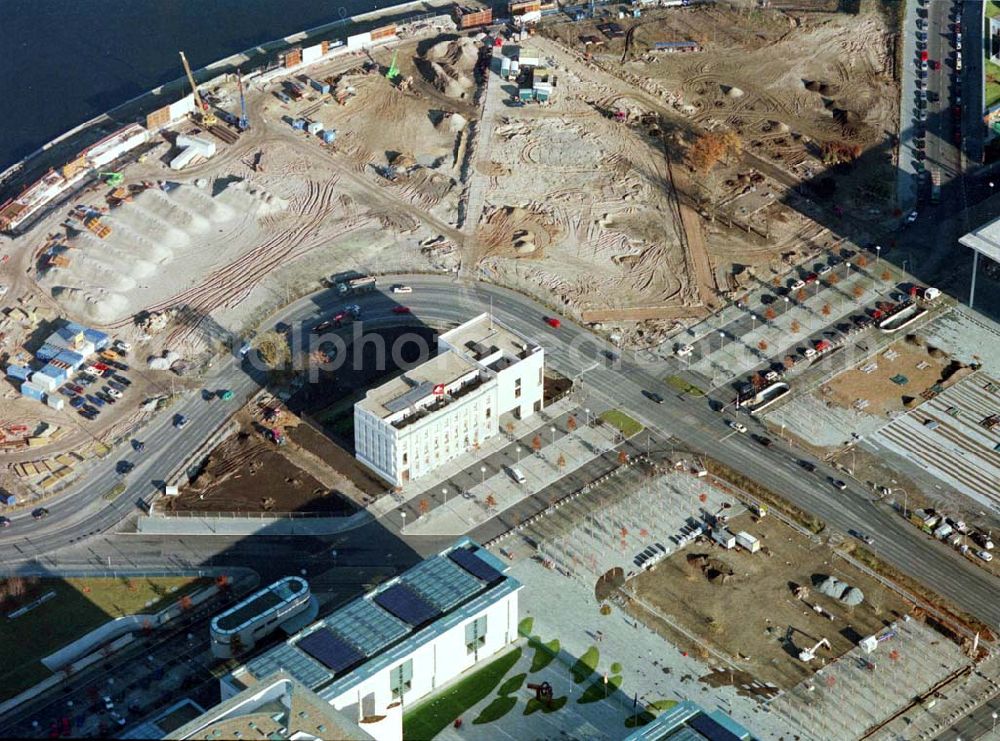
{"x":97,"y":401}
{"x":808,"y":465}
{"x":653,"y":396}
{"x":77,"y":401}
{"x":40,"y":513}
{"x":107,"y":373}
{"x":89,"y":409}
{"x":838,"y":484}
{"x":75,"y":388}
{"x":4,"y":522}
{"x":180,"y":421}
{"x":763,"y":440}
{"x":110,"y":400}
{"x":122,"y":380}
{"x":138,"y":446}
{"x":115,"y":385}
{"x":118,"y":365}
{"x":124,"y":467}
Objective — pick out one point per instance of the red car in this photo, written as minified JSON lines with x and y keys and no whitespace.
{"x":811,"y":278}
{"x":77,"y":389}
{"x":923,"y":55}
{"x":101,"y":367}
{"x":936,"y":64}
{"x":553,"y":322}
{"x":400,"y":309}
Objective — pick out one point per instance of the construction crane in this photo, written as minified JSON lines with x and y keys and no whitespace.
{"x":808,"y":654}
{"x":393,"y":72}
{"x":244,"y":122}
{"x":204,"y":113}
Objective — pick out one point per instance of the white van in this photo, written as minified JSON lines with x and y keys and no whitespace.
{"x":517,"y":474}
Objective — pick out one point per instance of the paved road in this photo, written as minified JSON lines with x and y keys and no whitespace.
{"x":574,"y":351}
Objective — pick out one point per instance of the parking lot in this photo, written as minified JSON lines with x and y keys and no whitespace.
{"x":785,"y":326}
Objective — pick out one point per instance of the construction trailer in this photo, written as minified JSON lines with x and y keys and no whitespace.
{"x":724,"y":538}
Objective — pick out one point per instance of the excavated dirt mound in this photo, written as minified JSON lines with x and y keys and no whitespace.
{"x":716,"y":571}
{"x":449,"y":66}
{"x":518,"y":231}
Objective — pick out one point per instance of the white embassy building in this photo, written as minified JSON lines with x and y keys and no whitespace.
{"x":384,"y":651}
{"x":449,"y":405}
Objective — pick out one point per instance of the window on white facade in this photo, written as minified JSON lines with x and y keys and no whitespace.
{"x":540,"y":379}
{"x":489,"y":412}
{"x":475,"y":634}
{"x":401,"y":679}
{"x":406,"y":458}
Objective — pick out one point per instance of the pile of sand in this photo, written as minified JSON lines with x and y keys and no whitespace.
{"x":450,"y":65}
{"x":160,"y":244}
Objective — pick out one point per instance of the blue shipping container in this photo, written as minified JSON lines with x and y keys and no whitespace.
{"x":46,"y":352}
{"x":329,"y":137}
{"x":20,"y":372}
{"x":299,"y":123}
{"x":54,"y":371}
{"x":323,"y":87}
{"x":99,"y":339}
{"x":73,"y":359}
{"x":32,"y":391}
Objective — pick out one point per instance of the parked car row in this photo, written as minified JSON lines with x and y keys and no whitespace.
{"x":83,"y":391}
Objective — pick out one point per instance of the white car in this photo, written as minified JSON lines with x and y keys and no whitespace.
{"x":798,"y":284}
{"x":684,"y":350}
{"x":402,"y":289}
{"x":739,"y":427}
{"x":123,"y":346}
{"x":114,"y":393}
{"x":3,"y":289}
{"x":824,"y":270}
{"x":809,"y":352}
{"x":985,"y":555}
{"x":771,"y":375}
{"x":911,"y":217}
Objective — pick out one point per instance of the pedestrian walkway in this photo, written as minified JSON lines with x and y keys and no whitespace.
{"x":500,"y":491}
{"x":471,"y":460}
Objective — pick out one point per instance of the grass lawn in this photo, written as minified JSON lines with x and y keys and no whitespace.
{"x":598,"y":690}
{"x":524,"y":627}
{"x":429,"y":718}
{"x":679,"y":384}
{"x":80,"y":605}
{"x":647,"y":716}
{"x":496,"y":710}
{"x":544,"y":653}
{"x":625,"y":424}
{"x":586,"y":664}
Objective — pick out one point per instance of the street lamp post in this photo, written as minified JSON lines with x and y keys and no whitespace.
{"x":482,"y":471}
{"x":403,"y":514}
{"x":518,"y":449}
{"x":444,"y":491}
{"x":553,"y":431}
{"x":878,"y":253}
{"x":587,"y":412}
{"x":787,"y":300}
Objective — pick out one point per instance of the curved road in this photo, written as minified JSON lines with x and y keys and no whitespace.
{"x":81,"y":513}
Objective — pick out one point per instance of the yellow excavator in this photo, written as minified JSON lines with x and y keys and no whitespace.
{"x":205,"y":115}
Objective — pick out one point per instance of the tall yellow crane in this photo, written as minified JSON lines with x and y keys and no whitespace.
{"x":204,"y":112}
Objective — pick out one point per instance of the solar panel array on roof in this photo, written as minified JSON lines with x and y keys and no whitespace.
{"x":406,"y":604}
{"x":370,"y":628}
{"x":330,"y":650}
{"x":442,"y":583}
{"x":475,"y":565}
{"x":710,"y":729}
{"x":305,"y":669}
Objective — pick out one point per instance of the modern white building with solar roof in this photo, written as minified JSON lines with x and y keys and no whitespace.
{"x":447,"y":406}
{"x":401,"y":641}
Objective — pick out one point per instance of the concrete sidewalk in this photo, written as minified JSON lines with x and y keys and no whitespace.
{"x":463,"y":513}
{"x":495,"y":444}
{"x":164,"y":525}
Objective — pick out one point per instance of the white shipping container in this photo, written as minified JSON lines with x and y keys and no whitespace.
{"x":941,"y":533}
{"x":746,"y":540}
{"x":315,"y":127}
{"x":359,"y":41}
{"x":54,"y":402}
{"x":182,"y":107}
{"x":312,"y":53}
{"x":724,"y":538}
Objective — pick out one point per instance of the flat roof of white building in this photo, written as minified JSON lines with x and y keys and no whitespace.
{"x":417,"y":384}
{"x":985,"y":240}
{"x":368,"y":634}
{"x":481,"y":337}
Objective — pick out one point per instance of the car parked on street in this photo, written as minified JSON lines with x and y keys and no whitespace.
{"x":40,"y":513}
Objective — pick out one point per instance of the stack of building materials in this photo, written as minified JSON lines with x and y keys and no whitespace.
{"x":192,"y":148}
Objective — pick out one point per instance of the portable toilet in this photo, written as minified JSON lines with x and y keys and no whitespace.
{"x":314,"y":127}
{"x":636,"y":12}
{"x":329,"y":136}
{"x":505,"y":67}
